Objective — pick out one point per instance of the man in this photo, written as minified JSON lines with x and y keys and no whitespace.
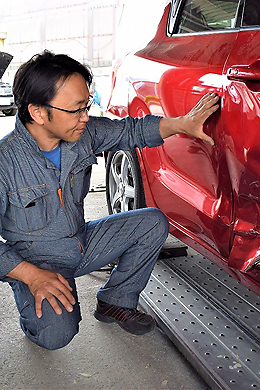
{"x":45,"y":168}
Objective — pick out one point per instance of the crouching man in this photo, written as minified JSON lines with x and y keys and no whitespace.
{"x":45,"y":169}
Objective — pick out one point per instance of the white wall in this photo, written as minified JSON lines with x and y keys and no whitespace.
{"x":92,"y":31}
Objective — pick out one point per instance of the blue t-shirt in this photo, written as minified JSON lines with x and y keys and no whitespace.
{"x":53,"y":156}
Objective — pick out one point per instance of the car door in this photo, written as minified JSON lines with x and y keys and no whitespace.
{"x":241,"y":124}
{"x":188,"y":178}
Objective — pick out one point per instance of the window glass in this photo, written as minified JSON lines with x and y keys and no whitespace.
{"x":252,"y":13}
{"x":207,"y":15}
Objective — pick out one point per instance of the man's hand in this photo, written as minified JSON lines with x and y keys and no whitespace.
{"x":51,"y":286}
{"x":192,"y":123}
{"x":45,"y":284}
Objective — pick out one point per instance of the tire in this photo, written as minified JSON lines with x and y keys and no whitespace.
{"x":10,"y":112}
{"x":124,"y":185}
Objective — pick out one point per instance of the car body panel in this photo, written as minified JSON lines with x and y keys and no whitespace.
{"x":179,"y":89}
{"x":210,"y":195}
{"x":242,"y":122}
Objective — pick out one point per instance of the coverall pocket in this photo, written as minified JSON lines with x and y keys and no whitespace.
{"x":29,"y":208}
{"x":80,"y":181}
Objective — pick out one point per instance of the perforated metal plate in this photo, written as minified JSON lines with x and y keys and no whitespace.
{"x":213,"y":320}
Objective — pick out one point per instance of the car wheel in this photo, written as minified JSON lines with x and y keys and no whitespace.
{"x":9,"y":112}
{"x":124,"y":186}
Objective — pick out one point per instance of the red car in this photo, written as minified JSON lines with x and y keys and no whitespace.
{"x":210,"y":194}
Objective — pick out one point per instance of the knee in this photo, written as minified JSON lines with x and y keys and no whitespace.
{"x":51,"y":331}
{"x":52,"y":336}
{"x":160,"y":222}
{"x":53,"y":339}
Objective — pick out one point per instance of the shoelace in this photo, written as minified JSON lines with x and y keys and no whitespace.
{"x":123,"y":314}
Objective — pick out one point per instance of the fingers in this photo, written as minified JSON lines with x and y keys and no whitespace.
{"x":207,"y":112}
{"x":38,"y":307}
{"x":206,"y":106}
{"x":207,"y":138}
{"x":55,"y":289}
{"x":52,"y":301}
{"x":65,"y":299}
{"x":53,"y":295}
{"x":64,"y":281}
{"x":212,"y":100}
{"x":207,"y":100}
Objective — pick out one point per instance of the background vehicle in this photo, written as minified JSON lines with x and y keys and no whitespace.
{"x":209,"y":194}
{"x":6,"y":97}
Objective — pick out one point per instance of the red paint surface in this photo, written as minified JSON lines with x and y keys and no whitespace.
{"x":211,"y":195}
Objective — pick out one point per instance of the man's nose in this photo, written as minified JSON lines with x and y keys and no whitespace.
{"x":84,"y":117}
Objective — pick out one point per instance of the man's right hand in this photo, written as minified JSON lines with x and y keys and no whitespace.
{"x":44,"y":284}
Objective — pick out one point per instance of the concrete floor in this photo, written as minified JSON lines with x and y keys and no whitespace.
{"x":102,"y":356}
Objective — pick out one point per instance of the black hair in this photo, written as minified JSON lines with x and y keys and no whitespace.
{"x":36,"y":80}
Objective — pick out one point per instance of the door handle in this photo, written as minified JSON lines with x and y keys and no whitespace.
{"x":244,"y":72}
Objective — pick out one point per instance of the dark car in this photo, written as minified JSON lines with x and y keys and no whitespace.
{"x":7,"y":105}
{"x":210,"y":194}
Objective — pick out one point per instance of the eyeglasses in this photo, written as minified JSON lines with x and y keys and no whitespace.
{"x":80,"y":111}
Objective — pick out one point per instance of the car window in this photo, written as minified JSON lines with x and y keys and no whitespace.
{"x":251,"y":13}
{"x":207,"y":15}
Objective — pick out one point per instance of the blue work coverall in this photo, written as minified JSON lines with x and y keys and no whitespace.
{"x":42,"y":221}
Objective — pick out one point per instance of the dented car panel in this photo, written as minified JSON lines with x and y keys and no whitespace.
{"x":242,"y":122}
{"x":210,"y":195}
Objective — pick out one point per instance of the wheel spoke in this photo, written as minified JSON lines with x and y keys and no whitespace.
{"x":129,"y":192}
{"x":115,"y":174}
{"x":124,"y":167}
{"x":124,"y":203}
{"x":115,"y":200}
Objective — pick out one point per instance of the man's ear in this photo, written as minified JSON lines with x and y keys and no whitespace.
{"x":38,"y":113}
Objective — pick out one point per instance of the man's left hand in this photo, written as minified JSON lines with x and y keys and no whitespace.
{"x":192,"y":123}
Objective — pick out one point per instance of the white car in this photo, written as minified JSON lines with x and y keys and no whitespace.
{"x":7,"y":105}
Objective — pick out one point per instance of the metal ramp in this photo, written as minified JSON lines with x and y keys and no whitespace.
{"x":212,"y":319}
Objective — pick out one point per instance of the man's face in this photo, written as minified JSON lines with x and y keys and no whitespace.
{"x":72,"y":95}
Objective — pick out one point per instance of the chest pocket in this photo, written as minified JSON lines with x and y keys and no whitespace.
{"x":29,"y":208}
{"x":80,"y":179}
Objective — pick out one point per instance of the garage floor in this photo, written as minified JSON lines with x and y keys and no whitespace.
{"x":102,"y":356}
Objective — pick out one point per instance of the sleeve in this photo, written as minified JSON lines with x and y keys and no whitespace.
{"x":9,"y":258}
{"x":124,"y":134}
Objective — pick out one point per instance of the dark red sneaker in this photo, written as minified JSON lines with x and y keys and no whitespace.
{"x":131,"y":320}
